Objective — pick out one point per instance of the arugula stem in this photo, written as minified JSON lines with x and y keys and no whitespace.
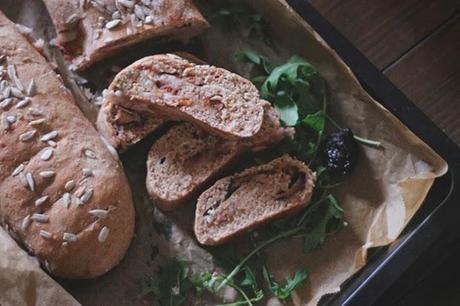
{"x":243,"y":294}
{"x":312,"y":206}
{"x":320,"y":133}
{"x":365,"y":141}
{"x":255,"y":251}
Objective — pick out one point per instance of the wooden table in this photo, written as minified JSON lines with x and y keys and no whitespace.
{"x":415,"y":43}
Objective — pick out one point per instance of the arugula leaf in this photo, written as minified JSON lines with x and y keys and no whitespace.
{"x":257,"y":59}
{"x":287,"y":109}
{"x":284,"y":292}
{"x":329,"y":219}
{"x":316,"y":121}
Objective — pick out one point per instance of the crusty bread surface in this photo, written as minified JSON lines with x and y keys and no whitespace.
{"x":90,"y":30}
{"x":239,"y":203}
{"x":63,"y":193}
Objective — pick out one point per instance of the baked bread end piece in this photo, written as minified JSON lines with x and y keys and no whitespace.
{"x":239,"y":203}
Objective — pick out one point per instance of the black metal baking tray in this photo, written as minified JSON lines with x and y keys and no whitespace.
{"x":439,"y":213}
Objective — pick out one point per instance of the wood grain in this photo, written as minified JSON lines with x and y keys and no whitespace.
{"x":430,"y":76}
{"x":384,"y":30}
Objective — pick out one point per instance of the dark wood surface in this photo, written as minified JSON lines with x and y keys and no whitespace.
{"x":415,"y":43}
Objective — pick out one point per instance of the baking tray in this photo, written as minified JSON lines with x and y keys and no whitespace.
{"x":439,"y":213}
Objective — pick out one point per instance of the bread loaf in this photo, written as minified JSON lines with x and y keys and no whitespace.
{"x":212,"y":98}
{"x":238,"y":203}
{"x":182,"y":161}
{"x":91,"y":30}
{"x":186,"y":159}
{"x":63,"y":194}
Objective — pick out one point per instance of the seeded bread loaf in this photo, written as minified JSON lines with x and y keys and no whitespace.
{"x":212,"y":98}
{"x":63,"y":194}
{"x":90,"y":30}
{"x":186,"y":158}
{"x":238,"y":203}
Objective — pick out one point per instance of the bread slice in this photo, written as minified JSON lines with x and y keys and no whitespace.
{"x":122,"y":127}
{"x":89,"y":31}
{"x":182,"y":161}
{"x":212,"y":98}
{"x":238,"y":203}
{"x":186,"y":158}
{"x":63,"y":195}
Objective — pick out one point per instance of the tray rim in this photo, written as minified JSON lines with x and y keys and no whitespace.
{"x":387,"y":265}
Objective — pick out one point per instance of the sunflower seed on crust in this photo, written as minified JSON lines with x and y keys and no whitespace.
{"x":6,"y":103}
{"x":90,"y":154}
{"x":26,"y":222}
{"x":47,"y":173}
{"x":69,"y":185}
{"x":99,"y":213}
{"x":11,"y":119}
{"x":27,"y":135}
{"x":103,"y":234}
{"x":69,"y":237}
{"x":42,"y":218}
{"x":86,"y":196}
{"x":30,"y":181}
{"x":112,"y":24}
{"x":46,"y":154}
{"x":87,"y":172}
{"x":45,"y":234}
{"x":49,"y":136}
{"x":23,"y":103}
{"x":32,"y":88}
{"x":66,"y":199}
{"x":37,"y":122}
{"x":18,"y":170}
{"x":41,"y":201}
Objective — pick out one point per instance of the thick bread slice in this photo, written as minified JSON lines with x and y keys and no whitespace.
{"x":186,"y":158}
{"x":182,"y":161}
{"x":212,"y":98}
{"x":89,"y":31}
{"x":63,"y":195}
{"x":238,"y":203}
{"x":123,"y":127}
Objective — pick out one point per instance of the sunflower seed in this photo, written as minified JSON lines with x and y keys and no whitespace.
{"x":6,"y":103}
{"x":30,"y":181}
{"x":69,"y":185}
{"x":90,"y":154}
{"x":73,"y":19}
{"x":66,"y":199}
{"x":23,"y":103}
{"x":99,"y":213}
{"x":80,"y":191}
{"x":27,"y":135}
{"x":45,"y":234}
{"x":69,"y":237}
{"x":23,"y":179}
{"x":17,"y":93}
{"x":139,"y":12}
{"x":42,"y":218}
{"x":18,"y":170}
{"x":49,"y":136}
{"x":11,"y":119}
{"x":86,"y":196}
{"x":41,"y":200}
{"x":7,"y":92}
{"x":26,"y":222}
{"x":116,"y":15}
{"x":46,"y":154}
{"x":112,"y":24}
{"x":32,"y":88}
{"x":126,"y":3}
{"x":148,"y":19}
{"x":37,"y":122}
{"x":103,"y":234}
{"x":87,"y":172}
{"x":14,"y":77}
{"x":118,"y":93}
{"x":52,"y":143}
{"x":47,"y":173}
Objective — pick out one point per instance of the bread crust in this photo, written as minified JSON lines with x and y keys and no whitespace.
{"x":83,"y":33}
{"x":212,"y":98}
{"x":241,"y":202}
{"x":64,"y":196}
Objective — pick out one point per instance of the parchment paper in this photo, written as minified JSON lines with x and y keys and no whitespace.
{"x":379,"y":198}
